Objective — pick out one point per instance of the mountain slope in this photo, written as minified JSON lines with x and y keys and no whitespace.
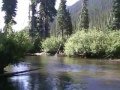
{"x":99,"y":14}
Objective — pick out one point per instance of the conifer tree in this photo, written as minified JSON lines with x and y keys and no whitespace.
{"x":116,"y":15}
{"x":45,"y":15}
{"x":69,"y":28}
{"x":84,"y":16}
{"x":43,"y":20}
{"x":9,"y":7}
{"x":64,"y":24}
{"x":32,"y":30}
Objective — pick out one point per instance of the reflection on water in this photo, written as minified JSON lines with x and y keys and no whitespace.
{"x":64,"y":74}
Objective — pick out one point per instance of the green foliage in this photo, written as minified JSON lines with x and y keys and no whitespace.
{"x":116,"y":15}
{"x":52,"y":44}
{"x":94,"y":43}
{"x":113,"y":48}
{"x":8,"y":29}
{"x":69,"y":28}
{"x":84,"y":16}
{"x":64,"y":23}
{"x":36,"y":45}
{"x":9,"y":7}
{"x":13,"y":47}
{"x":41,"y":19}
{"x":99,"y":15}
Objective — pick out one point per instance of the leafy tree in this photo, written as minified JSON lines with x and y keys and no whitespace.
{"x":116,"y":15}
{"x":64,"y":24}
{"x":84,"y":16}
{"x":9,"y":7}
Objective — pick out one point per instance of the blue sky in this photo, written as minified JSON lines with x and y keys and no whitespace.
{"x":22,"y":13}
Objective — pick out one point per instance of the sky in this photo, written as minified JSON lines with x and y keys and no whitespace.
{"x":22,"y":13}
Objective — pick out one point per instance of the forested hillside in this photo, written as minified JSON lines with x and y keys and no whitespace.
{"x":99,"y":13}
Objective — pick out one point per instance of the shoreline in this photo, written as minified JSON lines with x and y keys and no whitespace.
{"x":63,"y":55}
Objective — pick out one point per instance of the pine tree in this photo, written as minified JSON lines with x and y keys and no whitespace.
{"x":64,"y":24}
{"x":9,"y":7}
{"x":69,"y":28}
{"x":116,"y":15}
{"x":43,"y":20}
{"x":84,"y":16}
{"x":33,"y":21}
{"x":45,"y":15}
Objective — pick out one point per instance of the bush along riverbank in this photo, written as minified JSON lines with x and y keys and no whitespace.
{"x":53,"y":45}
{"x":94,"y":43}
{"x":12,"y":48}
{"x":86,"y":44}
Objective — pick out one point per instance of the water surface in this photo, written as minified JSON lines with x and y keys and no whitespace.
{"x":62,"y":73}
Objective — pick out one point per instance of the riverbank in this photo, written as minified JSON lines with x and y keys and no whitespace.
{"x":36,"y":54}
{"x":94,"y":44}
{"x":44,"y":53}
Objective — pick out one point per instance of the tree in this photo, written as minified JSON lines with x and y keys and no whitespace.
{"x":45,"y":15}
{"x":84,"y":16}
{"x":32,"y":30}
{"x":64,"y":24}
{"x":116,"y":15}
{"x":12,"y":48}
{"x":9,"y":7}
{"x":69,"y":28}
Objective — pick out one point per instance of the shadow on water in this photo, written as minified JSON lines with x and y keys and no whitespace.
{"x":6,"y":84}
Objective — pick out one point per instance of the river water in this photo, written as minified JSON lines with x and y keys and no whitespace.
{"x":62,"y":73}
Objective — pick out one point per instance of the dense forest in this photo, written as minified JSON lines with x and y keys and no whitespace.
{"x":89,"y":28}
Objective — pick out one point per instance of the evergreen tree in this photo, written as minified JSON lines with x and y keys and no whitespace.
{"x":69,"y":28}
{"x":43,"y":20}
{"x":64,"y":24}
{"x":45,"y":15}
{"x":32,"y":30}
{"x":116,"y":15}
{"x":84,"y":16}
{"x":9,"y":7}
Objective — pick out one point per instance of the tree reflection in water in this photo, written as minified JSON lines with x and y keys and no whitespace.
{"x":6,"y":84}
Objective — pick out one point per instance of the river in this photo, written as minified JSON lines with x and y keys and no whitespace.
{"x":63,"y":73}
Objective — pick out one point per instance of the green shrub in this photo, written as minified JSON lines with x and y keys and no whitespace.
{"x":13,"y":47}
{"x":95,"y":43}
{"x":113,"y":44}
{"x":36,"y":45}
{"x":52,"y":44}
